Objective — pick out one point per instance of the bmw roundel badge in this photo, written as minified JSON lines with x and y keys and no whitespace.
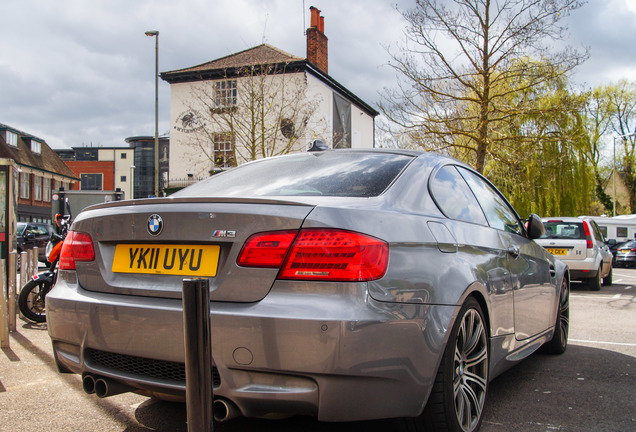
{"x":155,"y":224}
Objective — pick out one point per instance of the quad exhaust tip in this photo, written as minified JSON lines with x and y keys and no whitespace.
{"x":223,"y":409}
{"x":103,"y":387}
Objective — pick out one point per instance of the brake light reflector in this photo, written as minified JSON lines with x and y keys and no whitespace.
{"x":78,"y":246}
{"x":588,"y":236}
{"x":266,"y":250}
{"x":335,"y":255}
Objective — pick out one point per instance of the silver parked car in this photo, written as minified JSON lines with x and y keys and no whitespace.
{"x":345,"y":284}
{"x":580,"y":244}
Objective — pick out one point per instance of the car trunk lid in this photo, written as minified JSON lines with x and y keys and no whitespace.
{"x":148,"y":247}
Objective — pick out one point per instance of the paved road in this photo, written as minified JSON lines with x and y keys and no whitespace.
{"x":589,"y":388}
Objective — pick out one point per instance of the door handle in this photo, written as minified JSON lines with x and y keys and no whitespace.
{"x":514,"y":251}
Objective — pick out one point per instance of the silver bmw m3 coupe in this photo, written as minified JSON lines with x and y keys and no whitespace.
{"x":344,"y":284}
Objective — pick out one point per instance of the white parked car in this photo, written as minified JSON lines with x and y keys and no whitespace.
{"x":579,"y":243}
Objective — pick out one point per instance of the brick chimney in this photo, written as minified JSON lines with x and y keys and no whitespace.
{"x":317,"y":41}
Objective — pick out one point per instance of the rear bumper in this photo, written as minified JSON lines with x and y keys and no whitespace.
{"x":583,"y":274}
{"x":624,"y":261}
{"x":337,"y":355}
{"x":583,"y":269}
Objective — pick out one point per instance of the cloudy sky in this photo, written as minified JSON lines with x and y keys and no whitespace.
{"x":76,"y":72}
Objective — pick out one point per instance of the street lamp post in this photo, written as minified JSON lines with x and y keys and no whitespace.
{"x":614,"y":169}
{"x":132,"y":181}
{"x":155,"y":33}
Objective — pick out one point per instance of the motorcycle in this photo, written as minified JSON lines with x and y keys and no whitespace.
{"x":32,"y":298}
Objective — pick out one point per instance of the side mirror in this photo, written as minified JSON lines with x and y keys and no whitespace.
{"x":534,"y":226}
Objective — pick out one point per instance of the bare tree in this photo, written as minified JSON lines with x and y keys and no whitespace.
{"x":256,"y":111}
{"x":462,"y":63}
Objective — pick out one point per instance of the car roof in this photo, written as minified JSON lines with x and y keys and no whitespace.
{"x":563,"y":219}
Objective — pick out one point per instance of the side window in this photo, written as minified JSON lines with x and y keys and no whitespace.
{"x":597,"y":232}
{"x":41,"y":231}
{"x":498,"y":212}
{"x":454,"y":198}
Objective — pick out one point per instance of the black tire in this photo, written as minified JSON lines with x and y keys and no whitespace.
{"x":595,"y":282}
{"x":607,"y":280}
{"x":31,"y":300}
{"x":559,"y":342}
{"x":467,"y":371}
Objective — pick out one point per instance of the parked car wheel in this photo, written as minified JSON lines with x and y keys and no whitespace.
{"x":607,"y":280}
{"x":459,"y":393}
{"x":595,"y":282}
{"x":559,"y":342}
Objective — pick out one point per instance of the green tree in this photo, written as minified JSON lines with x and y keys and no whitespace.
{"x":623,"y":103}
{"x":542,"y":167}
{"x":599,"y":113}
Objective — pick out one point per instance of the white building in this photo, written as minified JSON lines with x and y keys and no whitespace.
{"x":218,"y":119}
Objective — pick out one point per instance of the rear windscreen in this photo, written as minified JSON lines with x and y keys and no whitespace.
{"x":329,"y":173}
{"x":564,"y":230}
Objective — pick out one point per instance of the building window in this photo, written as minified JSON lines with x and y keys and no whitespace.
{"x":11,"y":138}
{"x":37,"y":188}
{"x":36,"y":147}
{"x":91,"y":181}
{"x":341,"y":122}
{"x":46,"y":189}
{"x":123,"y":156}
{"x":225,"y":93}
{"x":25,"y":185}
{"x":88,"y":154}
{"x":621,"y":232}
{"x":223,"y":150}
{"x":122,"y":178}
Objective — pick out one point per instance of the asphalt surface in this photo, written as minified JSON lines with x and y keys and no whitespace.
{"x":592,"y":387}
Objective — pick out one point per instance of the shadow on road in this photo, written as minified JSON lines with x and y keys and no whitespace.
{"x":582,"y":388}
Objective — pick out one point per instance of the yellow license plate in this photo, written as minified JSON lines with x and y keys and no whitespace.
{"x":183,"y":260}
{"x":557,"y":251}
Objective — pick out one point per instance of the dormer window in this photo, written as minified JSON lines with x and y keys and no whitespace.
{"x":36,"y":147}
{"x":11,"y":138}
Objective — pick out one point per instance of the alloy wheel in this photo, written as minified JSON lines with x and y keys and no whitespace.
{"x":470,"y":377}
{"x":564,"y":313}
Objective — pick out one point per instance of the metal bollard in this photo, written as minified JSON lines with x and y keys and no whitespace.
{"x":198,"y":354}
{"x":24,"y":262}
{"x":4,"y":318}
{"x":29,"y":263}
{"x":12,"y":292}
{"x":34,"y":260}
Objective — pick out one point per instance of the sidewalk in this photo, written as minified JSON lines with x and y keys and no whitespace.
{"x":35,"y":397}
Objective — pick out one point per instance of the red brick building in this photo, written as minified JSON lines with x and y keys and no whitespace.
{"x":94,"y":175}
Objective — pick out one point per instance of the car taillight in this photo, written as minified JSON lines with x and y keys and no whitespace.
{"x":266,"y":249}
{"x":78,"y":246}
{"x":318,"y":254}
{"x":335,"y":255}
{"x":588,"y":236}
